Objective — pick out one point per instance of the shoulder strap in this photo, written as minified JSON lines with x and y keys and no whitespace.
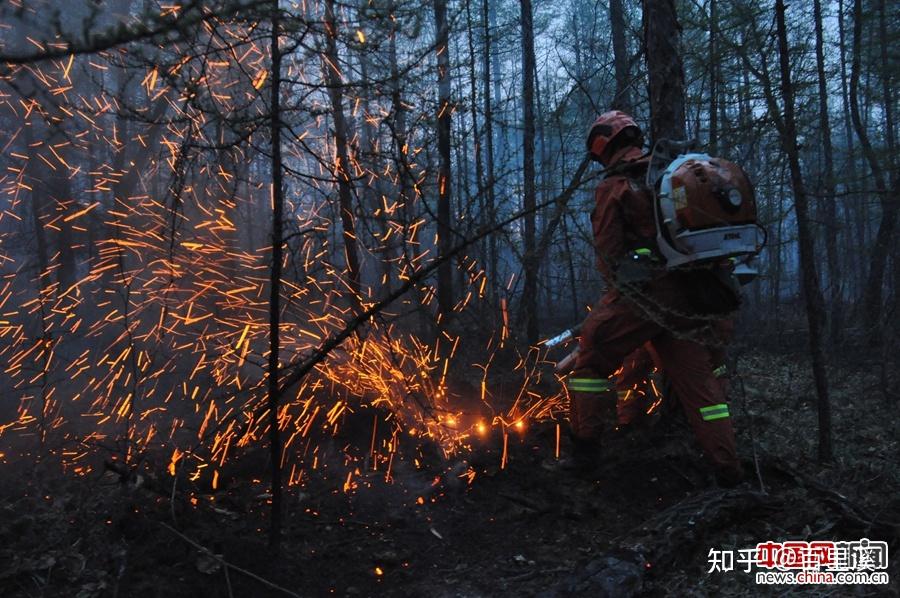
{"x":632,"y":169}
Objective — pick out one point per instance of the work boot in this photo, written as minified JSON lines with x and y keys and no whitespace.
{"x":585,"y":457}
{"x":582,"y":461}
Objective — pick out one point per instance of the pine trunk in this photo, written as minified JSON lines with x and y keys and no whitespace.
{"x":275,"y":282}
{"x":489,"y":141}
{"x":828,"y":201}
{"x":530,"y":288}
{"x":872,"y":294}
{"x":811,"y":292}
{"x":445,"y":109}
{"x":622,"y":99}
{"x":342,"y":166}
{"x":665,"y":72}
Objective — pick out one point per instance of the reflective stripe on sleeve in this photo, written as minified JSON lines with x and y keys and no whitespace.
{"x":714,"y":412}
{"x":588,"y":384}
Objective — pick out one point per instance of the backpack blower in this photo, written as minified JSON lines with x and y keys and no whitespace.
{"x":705,"y":209}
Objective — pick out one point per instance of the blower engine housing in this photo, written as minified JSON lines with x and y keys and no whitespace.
{"x":705,"y":211}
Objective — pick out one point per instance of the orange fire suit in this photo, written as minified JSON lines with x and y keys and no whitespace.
{"x":635,"y":389}
{"x":660,"y":309}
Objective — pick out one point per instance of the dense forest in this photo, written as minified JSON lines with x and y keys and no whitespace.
{"x":277,"y":276}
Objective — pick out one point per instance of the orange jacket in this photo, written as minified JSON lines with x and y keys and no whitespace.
{"x":622,"y":219}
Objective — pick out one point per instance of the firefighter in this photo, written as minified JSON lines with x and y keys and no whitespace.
{"x":644,"y":303}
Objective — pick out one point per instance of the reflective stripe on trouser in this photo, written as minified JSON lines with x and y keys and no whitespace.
{"x":592,"y":405}
{"x":714,"y":412}
{"x":588,"y":384}
{"x":613,"y":330}
{"x":702,"y":398}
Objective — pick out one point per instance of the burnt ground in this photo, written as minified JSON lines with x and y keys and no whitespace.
{"x":643,"y":526}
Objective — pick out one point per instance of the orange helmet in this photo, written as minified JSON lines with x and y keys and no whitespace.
{"x":607,"y":128}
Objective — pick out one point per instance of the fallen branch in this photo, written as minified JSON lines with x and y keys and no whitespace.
{"x":525,"y":502}
{"x":529,"y":575}
{"x":228,"y":565}
{"x":688,"y":519}
{"x":851,"y":511}
{"x":150,"y":26}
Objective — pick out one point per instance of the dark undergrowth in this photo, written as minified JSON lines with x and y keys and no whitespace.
{"x":643,"y":525}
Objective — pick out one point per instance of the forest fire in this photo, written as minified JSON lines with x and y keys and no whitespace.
{"x":162,"y":331}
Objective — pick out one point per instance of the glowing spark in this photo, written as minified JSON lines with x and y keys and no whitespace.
{"x":176,"y":456}
{"x":81,"y":213}
{"x":260,"y":78}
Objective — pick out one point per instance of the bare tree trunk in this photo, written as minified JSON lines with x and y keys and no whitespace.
{"x":530,"y":288}
{"x":622,"y":99}
{"x":542,"y":161}
{"x":275,"y":281}
{"x":33,"y":173}
{"x":398,"y":112}
{"x":473,"y":107}
{"x":579,"y":61}
{"x":830,"y":209}
{"x":713,"y":77}
{"x":858,"y":264}
{"x":38,"y":207}
{"x":573,"y":281}
{"x":368,"y":155}
{"x":489,"y":140}
{"x":891,"y":158}
{"x":342,"y":166}
{"x":888,"y":100}
{"x":61,"y":195}
{"x":873,"y":291}
{"x":405,"y":176}
{"x":230,"y":161}
{"x":664,"y":68}
{"x":445,"y":109}
{"x":502,"y":149}
{"x":57,"y":194}
{"x":811,"y":292}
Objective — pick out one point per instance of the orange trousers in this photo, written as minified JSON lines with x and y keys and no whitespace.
{"x":637,"y":390}
{"x":611,"y":333}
